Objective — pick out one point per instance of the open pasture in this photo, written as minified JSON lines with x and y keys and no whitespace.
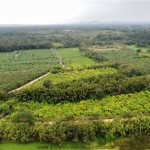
{"x":134,"y":47}
{"x":113,"y":47}
{"x":72,"y":58}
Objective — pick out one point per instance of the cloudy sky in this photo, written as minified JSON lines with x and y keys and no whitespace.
{"x":71,"y":11}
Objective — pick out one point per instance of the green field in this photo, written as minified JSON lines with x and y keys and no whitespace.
{"x":20,"y":67}
{"x":94,"y":145}
{"x":134,"y":47}
{"x":73,"y":58}
{"x":113,"y":47}
{"x":97,"y":144}
{"x":58,"y":45}
{"x":40,"y":146}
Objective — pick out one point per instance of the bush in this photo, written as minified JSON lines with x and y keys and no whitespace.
{"x":47,"y":83}
{"x":4,"y":110}
{"x":138,"y":50}
{"x":148,"y":50}
{"x":3,"y":95}
{"x":24,"y":116}
{"x":110,"y":136}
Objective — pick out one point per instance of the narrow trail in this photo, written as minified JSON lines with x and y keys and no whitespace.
{"x":104,"y":120}
{"x":16,"y":55}
{"x":59,"y":58}
{"x":29,"y":83}
{"x":74,"y":61}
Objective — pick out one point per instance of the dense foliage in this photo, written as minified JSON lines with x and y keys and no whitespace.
{"x":75,"y":74}
{"x":120,"y":106}
{"x":93,"y":55}
{"x":76,"y":90}
{"x":84,"y":130}
{"x":24,"y":38}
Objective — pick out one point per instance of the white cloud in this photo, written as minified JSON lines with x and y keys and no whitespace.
{"x":67,"y":11}
{"x":39,"y":12}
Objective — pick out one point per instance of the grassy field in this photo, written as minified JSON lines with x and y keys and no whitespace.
{"x":97,"y":144}
{"x":134,"y":47}
{"x":41,"y":146}
{"x":58,"y":45}
{"x":73,"y":58}
{"x":113,"y":47}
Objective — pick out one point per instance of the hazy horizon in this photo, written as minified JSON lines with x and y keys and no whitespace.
{"x":40,"y":12}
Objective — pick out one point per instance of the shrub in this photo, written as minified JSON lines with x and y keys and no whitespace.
{"x":47,"y":83}
{"x":3,"y":95}
{"x":4,"y":110}
{"x":24,"y":116}
{"x":138,"y":50}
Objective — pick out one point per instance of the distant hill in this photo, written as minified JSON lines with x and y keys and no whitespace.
{"x":95,"y":22}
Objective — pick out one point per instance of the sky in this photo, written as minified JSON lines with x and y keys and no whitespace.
{"x":72,"y":11}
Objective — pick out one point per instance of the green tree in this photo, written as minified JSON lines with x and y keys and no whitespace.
{"x":3,"y":95}
{"x":138,"y":50}
{"x":47,"y":83}
{"x":24,"y":115}
{"x":4,"y":110}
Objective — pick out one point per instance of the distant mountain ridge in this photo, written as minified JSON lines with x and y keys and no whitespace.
{"x":93,"y":22}
{"x":111,"y":22}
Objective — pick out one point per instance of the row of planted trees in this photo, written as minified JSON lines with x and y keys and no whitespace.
{"x":28,"y":130}
{"x":96,"y":56}
{"x":93,"y":87}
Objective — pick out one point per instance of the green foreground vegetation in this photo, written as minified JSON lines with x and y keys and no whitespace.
{"x":138,"y":143}
{"x":111,"y":107}
{"x":96,"y":96}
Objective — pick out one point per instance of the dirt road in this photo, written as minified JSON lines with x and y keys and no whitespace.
{"x":29,"y":83}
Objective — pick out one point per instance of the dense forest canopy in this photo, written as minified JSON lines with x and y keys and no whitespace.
{"x":39,"y":37}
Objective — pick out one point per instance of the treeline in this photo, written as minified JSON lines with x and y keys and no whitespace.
{"x":109,"y":37}
{"x":44,"y":37}
{"x":24,"y":41}
{"x":95,"y":87}
{"x":80,"y":130}
{"x":141,"y":38}
{"x":13,"y":47}
{"x":136,"y":36}
{"x":96,"y":56}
